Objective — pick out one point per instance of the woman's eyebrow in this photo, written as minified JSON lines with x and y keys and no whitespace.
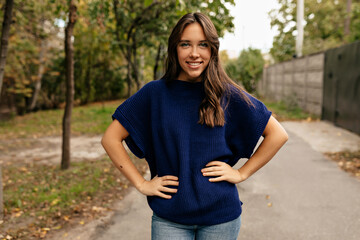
{"x":190,"y":41}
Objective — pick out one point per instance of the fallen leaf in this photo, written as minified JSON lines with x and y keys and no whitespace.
{"x":98,"y":209}
{"x":269,"y":204}
{"x":267,"y":196}
{"x":57,"y":227}
{"x":54,"y":202}
{"x":82,"y":222}
{"x":18,"y":214}
{"x":43,"y":234}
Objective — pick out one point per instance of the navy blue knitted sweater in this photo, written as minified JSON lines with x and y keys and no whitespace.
{"x":161,"y":119}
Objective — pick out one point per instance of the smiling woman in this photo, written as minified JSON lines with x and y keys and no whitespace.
{"x":192,"y":126}
{"x":193,"y":53}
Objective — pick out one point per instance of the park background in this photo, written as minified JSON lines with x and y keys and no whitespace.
{"x":113,"y":48}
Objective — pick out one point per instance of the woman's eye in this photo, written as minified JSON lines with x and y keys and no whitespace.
{"x":204,"y":45}
{"x":184,"y":44}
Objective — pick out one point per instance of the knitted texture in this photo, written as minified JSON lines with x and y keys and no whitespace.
{"x":161,"y":119}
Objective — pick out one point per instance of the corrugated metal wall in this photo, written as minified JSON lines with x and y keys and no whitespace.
{"x":341,"y":91}
{"x":326,"y":84}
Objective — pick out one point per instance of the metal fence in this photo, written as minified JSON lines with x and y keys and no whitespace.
{"x":326,"y":84}
{"x":341,"y":102}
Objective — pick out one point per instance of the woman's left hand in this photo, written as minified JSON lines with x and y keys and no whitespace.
{"x":221,"y":171}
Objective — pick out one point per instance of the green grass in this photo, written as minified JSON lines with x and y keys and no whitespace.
{"x":90,"y":119}
{"x":49,"y":197}
{"x":43,"y":189}
{"x":286,"y":112}
{"x":94,"y":118}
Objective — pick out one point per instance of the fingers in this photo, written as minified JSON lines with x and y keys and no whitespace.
{"x":214,"y":163}
{"x":164,"y":181}
{"x":213,"y":173}
{"x":210,"y":169}
{"x":217,"y":179}
{"x":218,"y":171}
{"x":168,"y":190}
{"x":170,"y":183}
{"x":163,"y":195}
{"x":170,"y":177}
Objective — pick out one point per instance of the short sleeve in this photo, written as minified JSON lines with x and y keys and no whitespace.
{"x":134,"y":115}
{"x":246,"y":124}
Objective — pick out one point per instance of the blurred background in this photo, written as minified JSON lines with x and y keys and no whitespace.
{"x":120,"y":45}
{"x":66,"y":65}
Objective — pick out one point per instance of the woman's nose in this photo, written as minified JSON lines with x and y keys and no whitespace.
{"x":194,"y":53}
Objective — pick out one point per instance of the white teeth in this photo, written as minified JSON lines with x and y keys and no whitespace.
{"x":194,"y":64}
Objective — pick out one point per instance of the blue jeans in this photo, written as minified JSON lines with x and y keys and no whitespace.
{"x":162,"y":229}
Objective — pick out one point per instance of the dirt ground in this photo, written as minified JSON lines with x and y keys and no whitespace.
{"x":48,"y":149}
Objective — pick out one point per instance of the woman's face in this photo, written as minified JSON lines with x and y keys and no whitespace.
{"x":193,"y":53}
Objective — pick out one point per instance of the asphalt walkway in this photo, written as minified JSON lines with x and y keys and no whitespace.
{"x":300,"y":194}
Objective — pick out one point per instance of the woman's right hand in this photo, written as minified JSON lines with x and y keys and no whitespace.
{"x":157,"y":186}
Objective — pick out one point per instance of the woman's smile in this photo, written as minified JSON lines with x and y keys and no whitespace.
{"x":193,"y":53}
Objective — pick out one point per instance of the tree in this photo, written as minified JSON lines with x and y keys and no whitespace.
{"x":114,"y":41}
{"x":34,"y":37}
{"x":247,"y":69}
{"x":4,"y":38}
{"x":147,"y":24}
{"x":251,"y":65}
{"x":325,"y":26}
{"x":69,"y":66}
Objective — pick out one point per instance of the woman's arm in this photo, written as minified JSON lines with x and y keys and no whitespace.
{"x":274,"y":138}
{"x":112,"y":143}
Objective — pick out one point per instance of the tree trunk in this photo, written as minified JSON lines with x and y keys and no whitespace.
{"x":128,"y":79}
{"x":156,"y":67}
{"x":135,"y":63}
{"x":39,"y":75}
{"x":88,"y":79}
{"x":4,"y":37}
{"x":69,"y":66}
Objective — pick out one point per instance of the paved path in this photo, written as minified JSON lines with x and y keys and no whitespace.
{"x":311,"y":198}
{"x":299,"y":195}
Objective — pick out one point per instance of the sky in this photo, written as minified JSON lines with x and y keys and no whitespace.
{"x":252,"y":27}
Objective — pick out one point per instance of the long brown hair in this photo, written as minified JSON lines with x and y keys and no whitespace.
{"x":216,"y":82}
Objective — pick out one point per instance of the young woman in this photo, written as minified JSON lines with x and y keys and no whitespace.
{"x":192,"y":126}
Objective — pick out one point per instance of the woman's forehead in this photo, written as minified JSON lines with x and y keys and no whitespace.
{"x":193,"y":31}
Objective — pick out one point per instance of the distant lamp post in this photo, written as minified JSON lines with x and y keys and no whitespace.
{"x":300,"y":27}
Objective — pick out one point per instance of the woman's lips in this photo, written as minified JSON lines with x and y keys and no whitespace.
{"x":194,"y":64}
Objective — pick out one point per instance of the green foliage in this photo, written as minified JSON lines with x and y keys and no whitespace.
{"x":105,"y":44}
{"x":251,"y":64}
{"x":324,"y":29}
{"x":247,"y":69}
{"x":48,"y":123}
{"x":355,"y":23}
